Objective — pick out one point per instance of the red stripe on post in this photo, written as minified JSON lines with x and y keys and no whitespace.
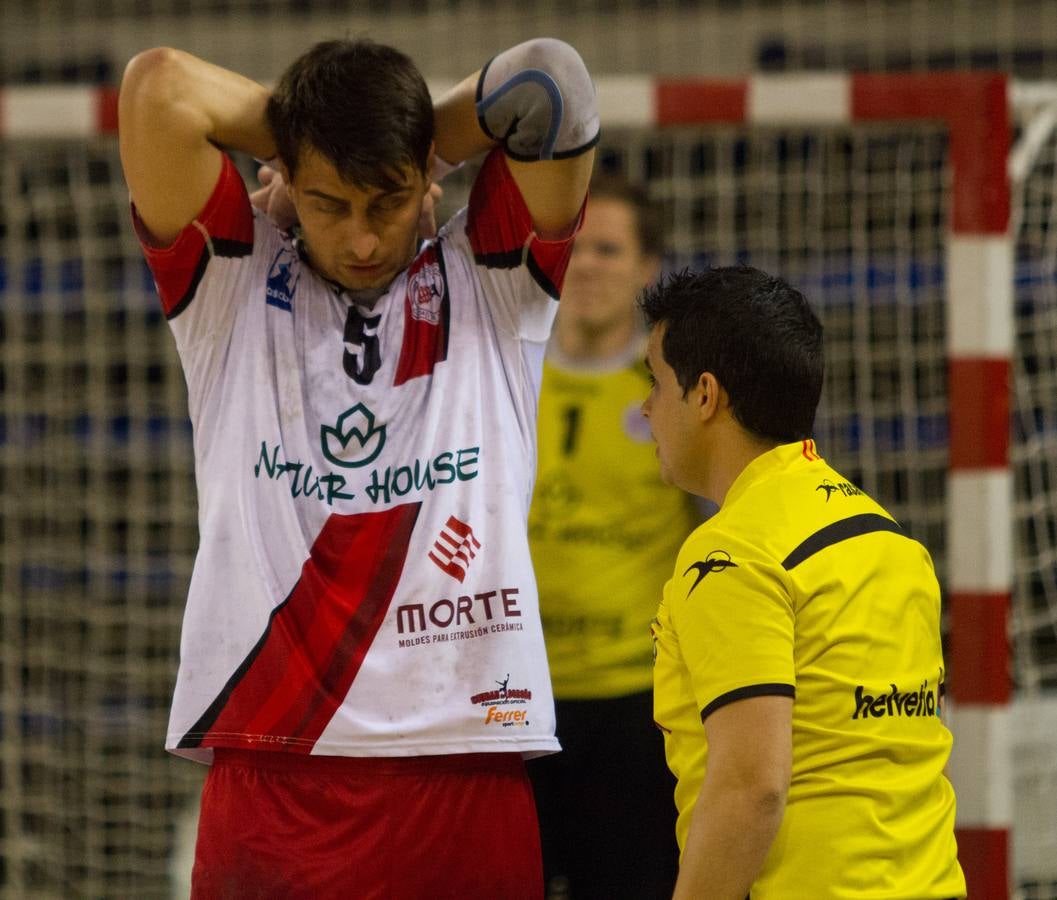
{"x":984,"y":857}
{"x":978,"y":390}
{"x":106,"y":110}
{"x":693,"y":101}
{"x":975,"y":107}
{"x":979,"y":648}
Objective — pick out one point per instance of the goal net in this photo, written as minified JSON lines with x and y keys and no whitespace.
{"x":97,"y":512}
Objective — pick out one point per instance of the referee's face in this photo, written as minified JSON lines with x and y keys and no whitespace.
{"x":671,"y":417}
{"x":359,"y":237}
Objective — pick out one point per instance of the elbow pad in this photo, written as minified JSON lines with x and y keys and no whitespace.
{"x":538,"y":101}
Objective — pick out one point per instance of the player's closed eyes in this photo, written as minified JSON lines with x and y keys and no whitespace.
{"x":390,"y":202}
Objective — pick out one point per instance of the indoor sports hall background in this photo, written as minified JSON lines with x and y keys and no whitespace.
{"x":935,"y":275}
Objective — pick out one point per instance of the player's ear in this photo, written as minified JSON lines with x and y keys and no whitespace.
{"x":277,"y":163}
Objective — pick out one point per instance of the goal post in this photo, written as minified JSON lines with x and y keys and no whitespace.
{"x":886,"y":197}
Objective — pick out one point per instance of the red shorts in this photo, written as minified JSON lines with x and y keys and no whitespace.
{"x":281,"y":825}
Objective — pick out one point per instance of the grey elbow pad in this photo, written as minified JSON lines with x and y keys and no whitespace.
{"x":538,"y":101}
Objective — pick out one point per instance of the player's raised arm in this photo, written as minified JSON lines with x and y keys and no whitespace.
{"x":174,"y":111}
{"x":538,"y":101}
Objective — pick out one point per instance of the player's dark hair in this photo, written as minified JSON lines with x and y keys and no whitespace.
{"x":364,"y":106}
{"x":755,"y":333}
{"x":649,"y":223}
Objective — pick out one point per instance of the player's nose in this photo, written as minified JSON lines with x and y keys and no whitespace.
{"x":361,"y":239}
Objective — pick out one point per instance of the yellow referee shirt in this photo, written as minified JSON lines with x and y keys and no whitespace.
{"x":603,"y":528}
{"x":803,"y":586}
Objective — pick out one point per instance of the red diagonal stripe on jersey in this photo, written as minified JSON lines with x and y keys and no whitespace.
{"x":291,"y":684}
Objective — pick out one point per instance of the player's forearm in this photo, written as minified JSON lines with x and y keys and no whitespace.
{"x":457,"y":131}
{"x":731,"y":832}
{"x":190,"y":99}
{"x":174,"y":110}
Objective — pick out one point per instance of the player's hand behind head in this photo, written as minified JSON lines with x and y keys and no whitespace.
{"x":272,"y":198}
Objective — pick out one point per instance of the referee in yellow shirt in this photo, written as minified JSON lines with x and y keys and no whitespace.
{"x":798,"y":667}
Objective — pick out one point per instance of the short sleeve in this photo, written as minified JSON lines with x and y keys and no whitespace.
{"x":732,"y":609}
{"x":501,"y":232}
{"x":224,"y":228}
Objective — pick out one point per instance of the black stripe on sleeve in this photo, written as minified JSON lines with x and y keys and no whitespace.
{"x":774,"y":689}
{"x":229,"y":248}
{"x":222,"y":248}
{"x":509,"y":259}
{"x":540,"y":277}
{"x":196,"y":278}
{"x":853,"y":526}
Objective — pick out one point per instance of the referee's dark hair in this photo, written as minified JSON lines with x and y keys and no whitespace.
{"x":362,"y":105}
{"x":755,"y":333}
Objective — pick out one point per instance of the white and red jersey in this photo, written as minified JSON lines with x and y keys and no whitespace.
{"x":363,"y":585}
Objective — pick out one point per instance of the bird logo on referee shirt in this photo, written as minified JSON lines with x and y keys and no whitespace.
{"x":716,"y":561}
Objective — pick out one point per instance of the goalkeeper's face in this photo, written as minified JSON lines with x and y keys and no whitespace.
{"x":674,"y":423}
{"x":606,"y":271}
{"x":359,"y":237}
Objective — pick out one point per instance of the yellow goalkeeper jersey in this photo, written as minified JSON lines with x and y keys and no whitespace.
{"x":603,"y":528}
{"x":803,"y":586}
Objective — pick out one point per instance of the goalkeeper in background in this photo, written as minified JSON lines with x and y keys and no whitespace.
{"x":604,"y":529}
{"x":798,"y":661}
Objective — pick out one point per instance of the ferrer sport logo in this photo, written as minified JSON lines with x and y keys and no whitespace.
{"x":496,"y":704}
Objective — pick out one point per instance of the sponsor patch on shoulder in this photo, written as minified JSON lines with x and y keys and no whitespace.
{"x":425,"y":291}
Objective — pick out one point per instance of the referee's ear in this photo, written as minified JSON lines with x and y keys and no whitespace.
{"x":707,"y":396}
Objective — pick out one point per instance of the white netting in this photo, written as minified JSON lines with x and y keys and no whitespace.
{"x":98,"y":522}
{"x":97,"y":519}
{"x":1034,"y":450}
{"x":856,"y":218}
{"x":98,"y":528}
{"x":1034,"y":459}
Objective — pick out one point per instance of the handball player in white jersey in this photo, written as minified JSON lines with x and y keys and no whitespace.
{"x":361,"y":661}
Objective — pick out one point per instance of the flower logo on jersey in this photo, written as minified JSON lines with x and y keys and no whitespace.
{"x":354,"y":440}
{"x":283,"y":276}
{"x":425,"y":291}
{"x":716,"y":561}
{"x":454,"y":548}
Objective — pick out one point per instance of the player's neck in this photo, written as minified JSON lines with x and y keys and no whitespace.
{"x":587,"y":345}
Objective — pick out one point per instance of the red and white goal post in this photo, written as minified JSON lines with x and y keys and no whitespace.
{"x":979,"y":341}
